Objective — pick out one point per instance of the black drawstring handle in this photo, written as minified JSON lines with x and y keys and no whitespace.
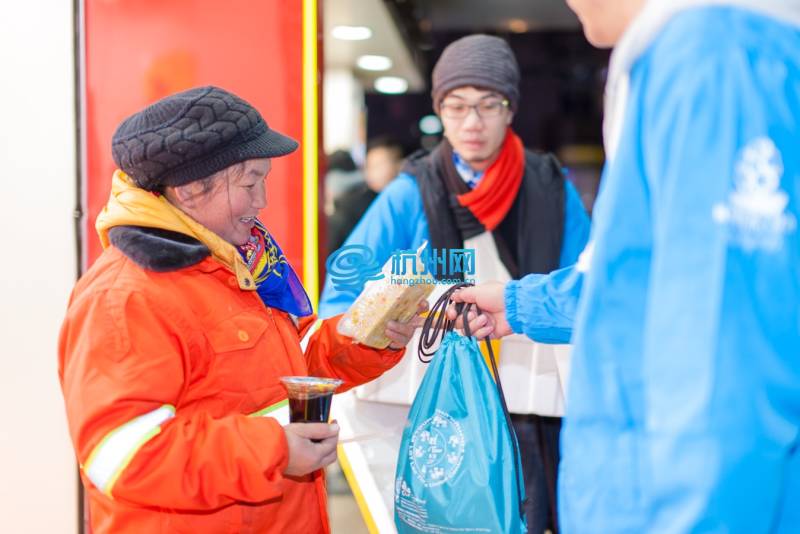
{"x":437,"y":324}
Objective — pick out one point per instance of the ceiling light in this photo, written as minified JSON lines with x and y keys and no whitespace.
{"x":391,"y":85}
{"x":351,"y":33}
{"x":374,"y":63}
{"x":517,"y":25}
{"x":430,"y":125}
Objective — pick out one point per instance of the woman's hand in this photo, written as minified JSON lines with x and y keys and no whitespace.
{"x":401,"y":333}
{"x":312,"y":446}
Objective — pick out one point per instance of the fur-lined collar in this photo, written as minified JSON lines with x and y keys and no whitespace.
{"x":156,"y":249}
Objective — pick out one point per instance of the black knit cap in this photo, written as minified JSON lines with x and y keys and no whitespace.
{"x":478,"y":60}
{"x":191,"y":135}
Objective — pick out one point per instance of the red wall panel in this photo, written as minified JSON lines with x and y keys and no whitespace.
{"x":137,"y":51}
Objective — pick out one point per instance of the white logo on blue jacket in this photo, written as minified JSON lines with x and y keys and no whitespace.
{"x":755,"y":212}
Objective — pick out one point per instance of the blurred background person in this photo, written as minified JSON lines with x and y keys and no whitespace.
{"x":382,"y":164}
{"x":342,"y":174}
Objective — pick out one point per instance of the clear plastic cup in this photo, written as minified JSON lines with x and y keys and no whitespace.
{"x":310,"y":398}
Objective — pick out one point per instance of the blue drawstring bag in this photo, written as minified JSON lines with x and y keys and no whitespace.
{"x":458,"y":468}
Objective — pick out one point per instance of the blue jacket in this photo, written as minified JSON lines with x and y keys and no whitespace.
{"x":683,"y":409}
{"x":396,"y":221}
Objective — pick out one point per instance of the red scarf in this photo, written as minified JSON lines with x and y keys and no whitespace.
{"x":491,"y":200}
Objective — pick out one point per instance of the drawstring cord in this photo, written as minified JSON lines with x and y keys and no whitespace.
{"x":437,"y":324}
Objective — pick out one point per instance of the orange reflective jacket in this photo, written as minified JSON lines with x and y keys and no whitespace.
{"x":172,"y":392}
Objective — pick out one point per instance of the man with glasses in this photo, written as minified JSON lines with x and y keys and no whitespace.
{"x":480,"y":189}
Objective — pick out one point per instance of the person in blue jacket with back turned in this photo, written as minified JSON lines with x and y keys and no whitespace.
{"x":480,"y":189}
{"x":683,"y":411}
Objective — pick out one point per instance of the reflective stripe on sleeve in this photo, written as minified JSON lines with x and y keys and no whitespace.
{"x":110,"y":457}
{"x":279,"y":411}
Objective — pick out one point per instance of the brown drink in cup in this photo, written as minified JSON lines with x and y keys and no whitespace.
{"x":310,"y":398}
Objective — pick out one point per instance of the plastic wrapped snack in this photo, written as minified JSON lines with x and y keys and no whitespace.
{"x":395,"y":297}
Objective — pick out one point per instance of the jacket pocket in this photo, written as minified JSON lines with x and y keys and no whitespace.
{"x":240,"y":346}
{"x":240,"y":332}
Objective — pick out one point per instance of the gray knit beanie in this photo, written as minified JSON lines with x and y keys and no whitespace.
{"x":193,"y":134}
{"x":477,"y":60}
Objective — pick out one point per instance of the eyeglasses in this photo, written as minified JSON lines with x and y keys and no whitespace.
{"x":485,"y":109}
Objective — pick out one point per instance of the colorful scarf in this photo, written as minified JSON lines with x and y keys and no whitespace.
{"x":525,"y":217}
{"x":276,"y":282}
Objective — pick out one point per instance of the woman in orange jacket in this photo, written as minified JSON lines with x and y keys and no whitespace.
{"x":175,"y":339}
